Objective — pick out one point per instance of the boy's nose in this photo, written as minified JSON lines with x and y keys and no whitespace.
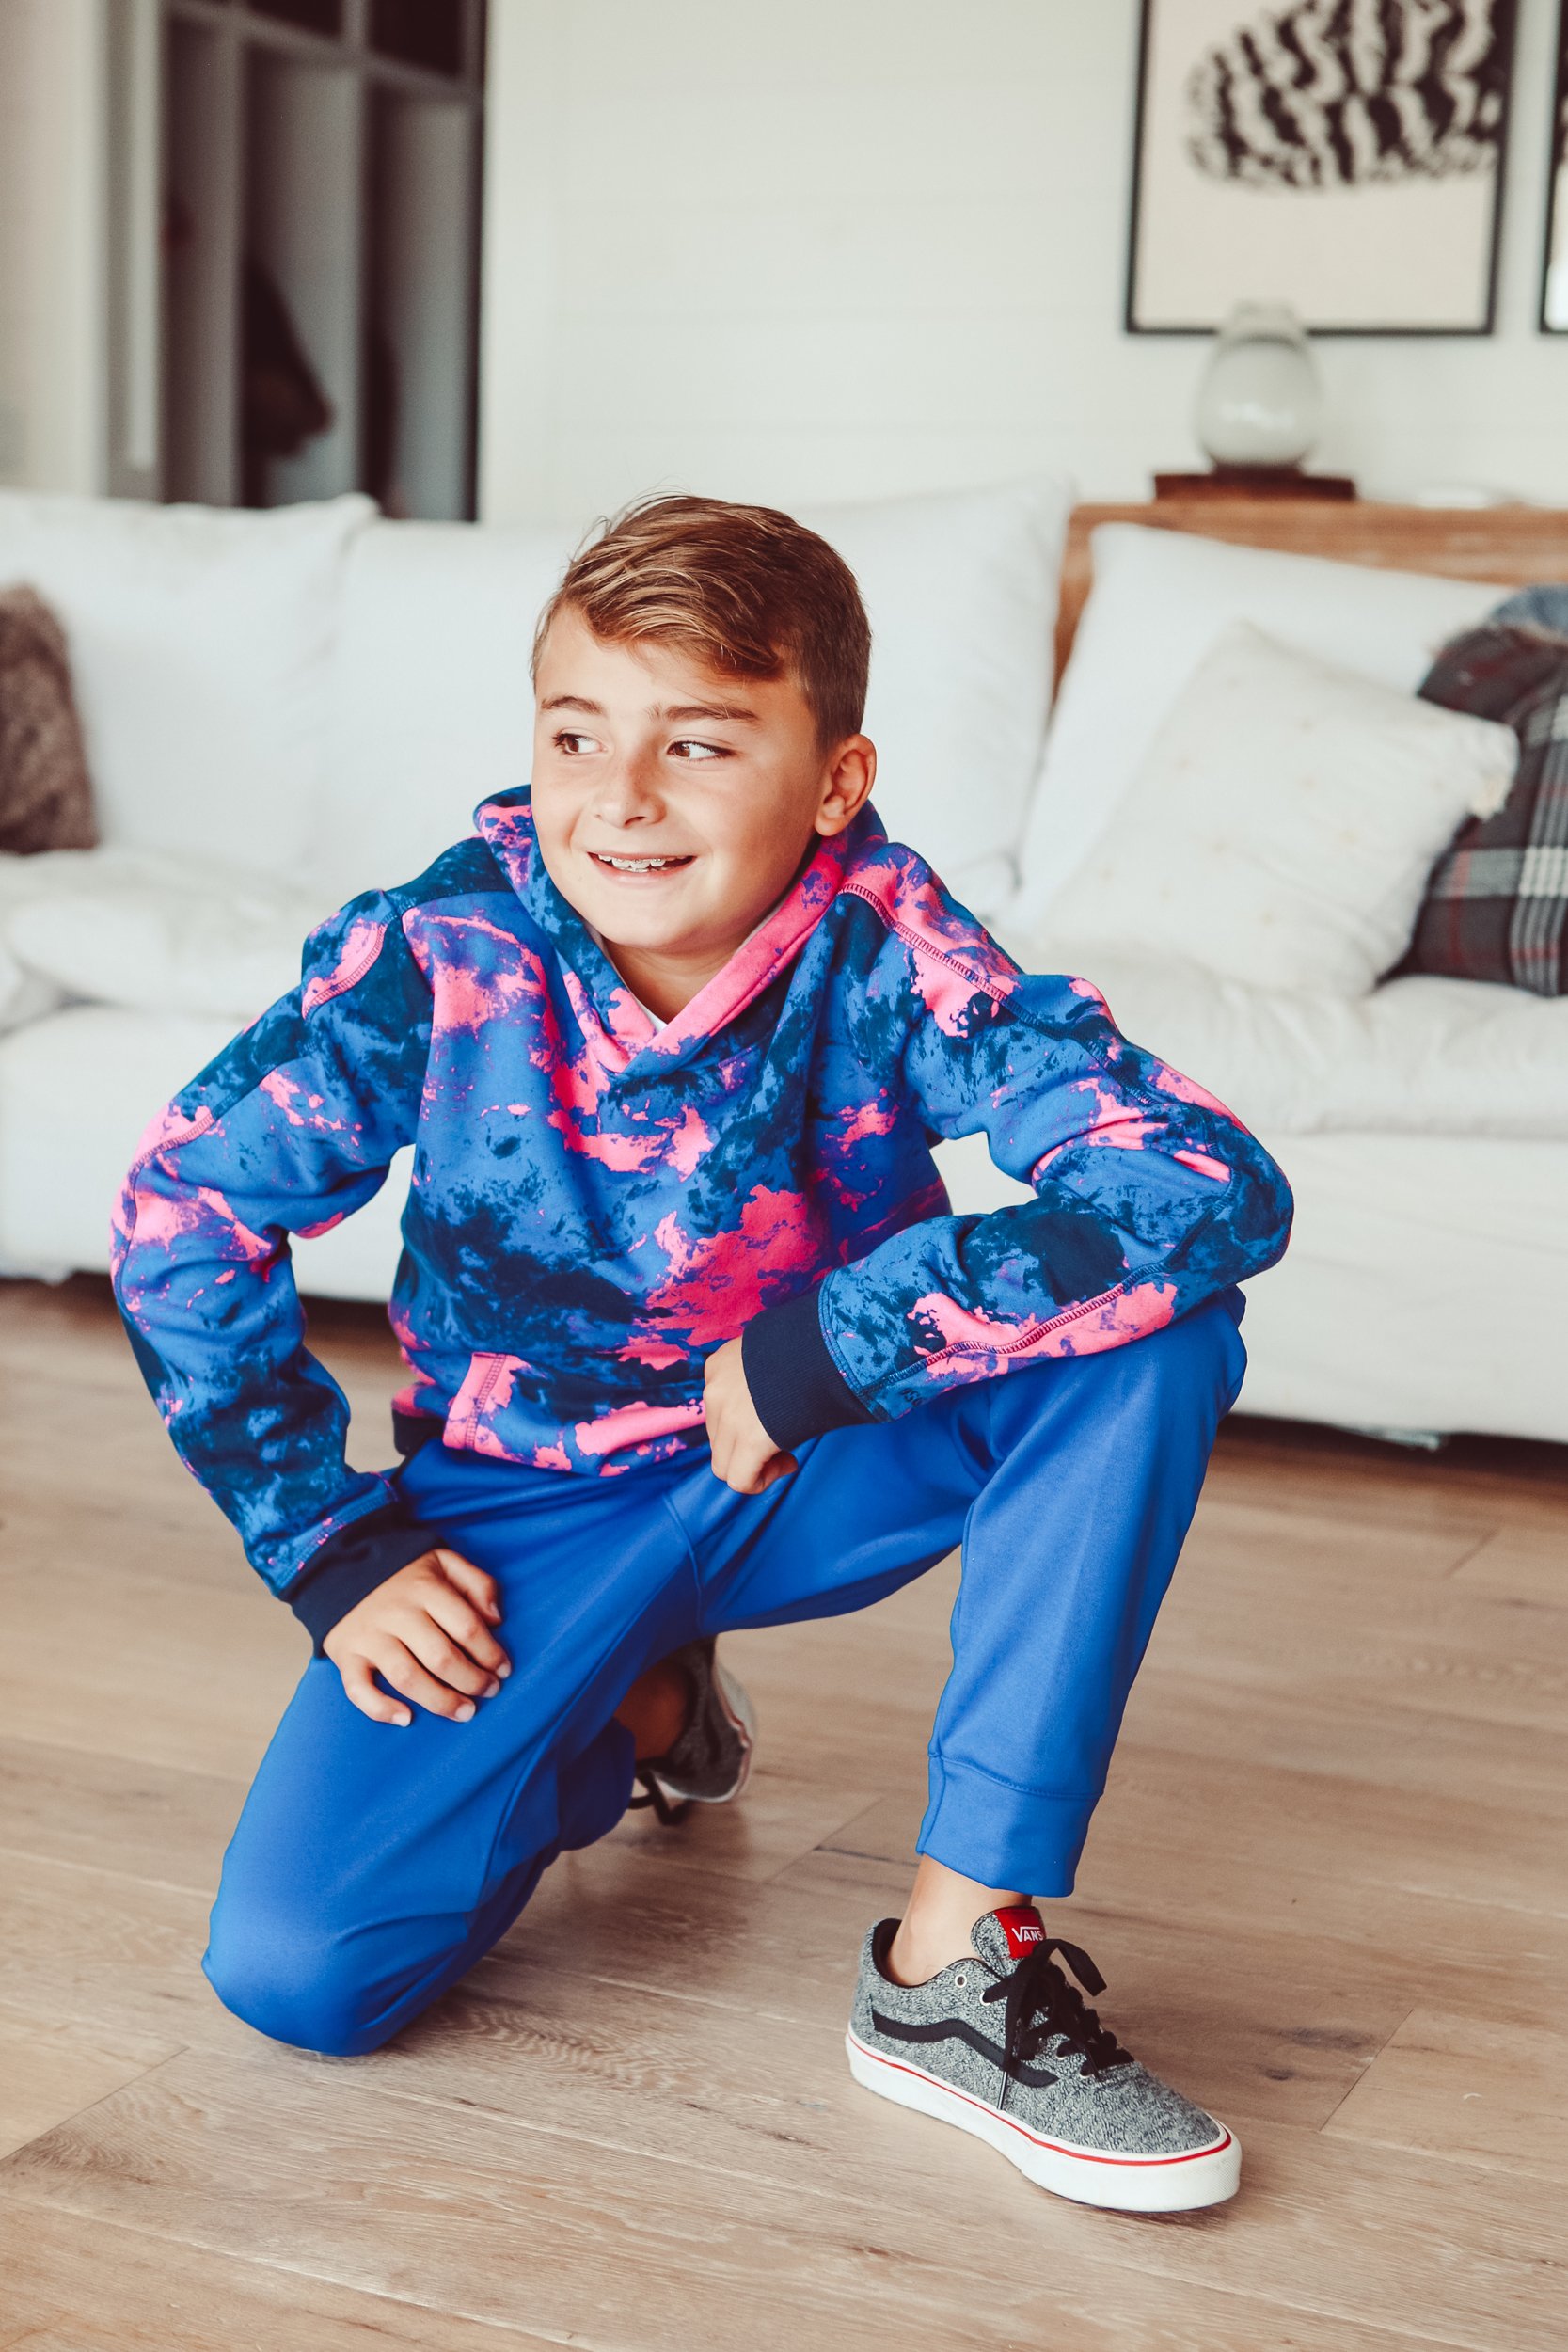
{"x":627,"y":793}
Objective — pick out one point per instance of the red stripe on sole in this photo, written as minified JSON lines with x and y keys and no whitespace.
{"x":1058,"y":2147}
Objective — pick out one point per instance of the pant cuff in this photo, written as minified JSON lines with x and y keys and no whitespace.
{"x":1028,"y":1839}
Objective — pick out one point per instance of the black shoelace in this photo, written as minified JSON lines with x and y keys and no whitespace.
{"x":668,"y":1814}
{"x":1041,"y":2005}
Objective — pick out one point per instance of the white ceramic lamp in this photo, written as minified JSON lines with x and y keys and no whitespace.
{"x":1260,"y":402}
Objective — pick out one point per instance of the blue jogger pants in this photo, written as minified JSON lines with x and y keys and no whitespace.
{"x":373,"y":1865}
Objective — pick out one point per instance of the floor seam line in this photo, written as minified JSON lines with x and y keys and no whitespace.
{"x":1449,"y":1574}
{"x":88,"y":2107}
{"x":1352,"y":2087}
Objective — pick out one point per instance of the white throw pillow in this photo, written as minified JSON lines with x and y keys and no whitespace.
{"x":200,"y":647}
{"x":1159,"y":601}
{"x":1280,"y":828}
{"x":432,"y":708}
{"x":154,"y":934}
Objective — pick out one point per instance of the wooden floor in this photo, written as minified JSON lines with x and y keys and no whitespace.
{"x":1327,"y":1886}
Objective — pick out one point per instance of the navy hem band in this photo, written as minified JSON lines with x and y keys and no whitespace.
{"x":352,"y":1564}
{"x":798,"y":1390}
{"x":410,"y":1431}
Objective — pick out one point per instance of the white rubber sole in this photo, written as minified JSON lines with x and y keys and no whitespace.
{"x":742,"y":1716}
{"x":739,"y":1708}
{"x":1120,"y":2184}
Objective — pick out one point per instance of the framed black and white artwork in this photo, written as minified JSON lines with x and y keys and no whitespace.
{"x":1344,"y":156}
{"x":1554,"y":282}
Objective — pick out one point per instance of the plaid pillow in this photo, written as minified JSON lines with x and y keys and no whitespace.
{"x":1497,"y":902}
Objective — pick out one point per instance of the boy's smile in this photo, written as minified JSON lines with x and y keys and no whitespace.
{"x":673,"y":805}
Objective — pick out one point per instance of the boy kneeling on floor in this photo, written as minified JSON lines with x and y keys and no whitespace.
{"x":694,"y":1343}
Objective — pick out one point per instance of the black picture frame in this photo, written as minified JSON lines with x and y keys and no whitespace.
{"x":1556,"y":233}
{"x":1142,"y":307}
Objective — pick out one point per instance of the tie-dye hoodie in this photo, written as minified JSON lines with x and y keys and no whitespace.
{"x":599,"y":1203}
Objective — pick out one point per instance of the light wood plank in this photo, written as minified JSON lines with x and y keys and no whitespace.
{"x":74,"y":2285}
{"x":109,"y":1813}
{"x":1470,"y":2089}
{"x":1307,"y":1539}
{"x":522,"y":2227}
{"x":49,"y":2070}
{"x":1525,"y":1568}
{"x":1359,"y":1480}
{"x":1456,"y":1654}
{"x":147,"y":1666}
{"x":1332,"y":1733}
{"x":116,"y":2288}
{"x":784,"y":1815}
{"x":103,"y":1951}
{"x":486,"y":2218}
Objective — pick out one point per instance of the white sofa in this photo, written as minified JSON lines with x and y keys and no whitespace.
{"x":283,"y":708}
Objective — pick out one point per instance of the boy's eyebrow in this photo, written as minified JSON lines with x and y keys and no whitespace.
{"x":705,"y":711}
{"x":679,"y":711}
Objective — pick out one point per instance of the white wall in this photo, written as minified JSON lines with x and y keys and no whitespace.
{"x":839,"y":247}
{"x":53,"y":163}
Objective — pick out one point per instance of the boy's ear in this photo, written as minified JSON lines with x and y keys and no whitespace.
{"x":846,"y":786}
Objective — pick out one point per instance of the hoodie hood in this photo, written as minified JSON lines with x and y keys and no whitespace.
{"x":505,"y":824}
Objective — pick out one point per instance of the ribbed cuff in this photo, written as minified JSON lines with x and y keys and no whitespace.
{"x":796,"y":1386}
{"x":412,"y":1431}
{"x":352,"y":1564}
{"x":1001,"y":1835}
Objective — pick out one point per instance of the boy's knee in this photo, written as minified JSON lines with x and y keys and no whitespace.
{"x":1214,"y":1331}
{"x":1199,"y":1351}
{"x":290,"y":1982}
{"x":1188,"y":1375}
{"x":1192,"y":1367}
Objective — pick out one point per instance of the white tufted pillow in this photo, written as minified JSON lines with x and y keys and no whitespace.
{"x":1280,"y":827}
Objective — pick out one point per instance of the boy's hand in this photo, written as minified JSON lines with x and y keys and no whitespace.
{"x":426,"y":1632}
{"x":744,"y":1455}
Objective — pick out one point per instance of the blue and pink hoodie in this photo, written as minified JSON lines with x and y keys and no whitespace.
{"x":599,"y":1203}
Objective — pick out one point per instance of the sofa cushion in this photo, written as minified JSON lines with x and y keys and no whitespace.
{"x":23,"y":996}
{"x":1282,"y":823}
{"x":154,"y":934}
{"x":1159,"y":601}
{"x":200,"y":647}
{"x":76,"y":1093}
{"x":1425,"y":1287}
{"x":432,"y":705}
{"x":1418,"y":1057}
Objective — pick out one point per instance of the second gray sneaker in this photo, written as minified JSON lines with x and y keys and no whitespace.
{"x":1005,"y":2047}
{"x":711,"y":1761}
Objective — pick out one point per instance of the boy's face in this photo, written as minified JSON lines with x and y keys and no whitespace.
{"x":672,"y":806}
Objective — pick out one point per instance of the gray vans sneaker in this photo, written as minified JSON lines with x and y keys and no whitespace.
{"x":711,"y":1760}
{"x":1004,"y":2046}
